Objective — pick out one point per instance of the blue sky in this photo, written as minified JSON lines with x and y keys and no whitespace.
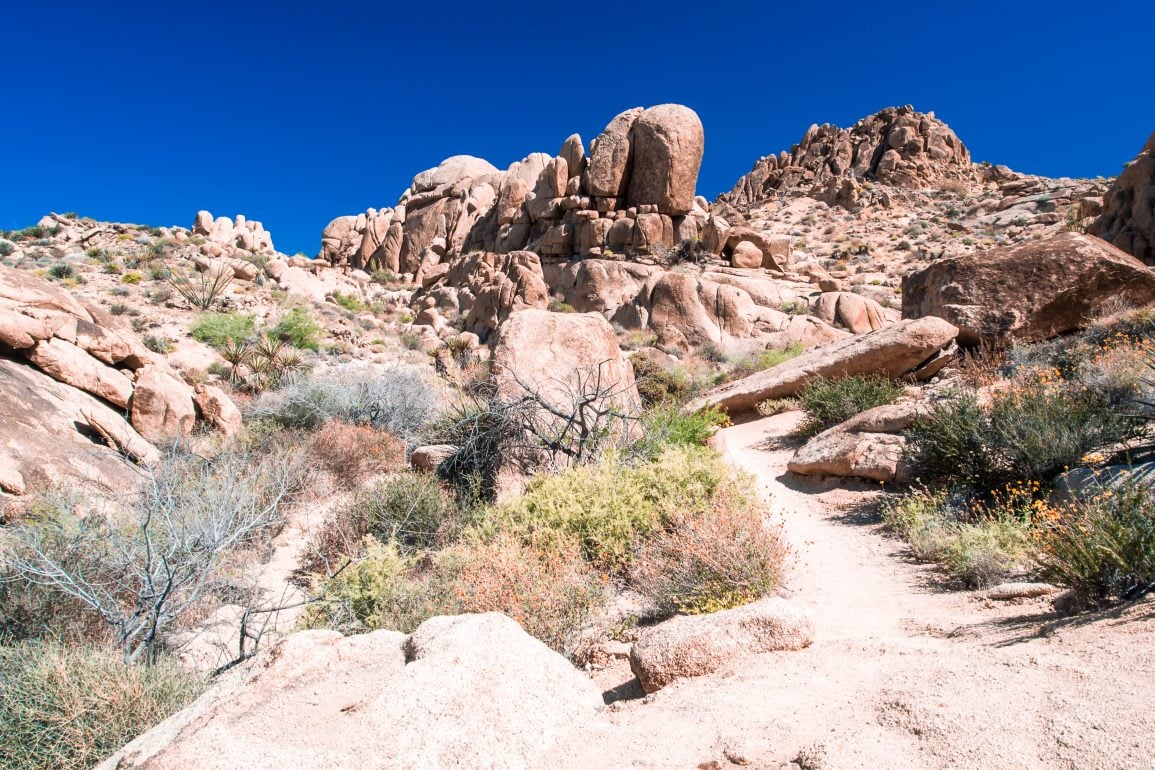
{"x":146,"y":112}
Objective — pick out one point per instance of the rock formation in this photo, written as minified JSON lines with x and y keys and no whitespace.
{"x":464,"y":691}
{"x":910,"y":348}
{"x":1030,"y":292}
{"x":222,"y":233}
{"x":104,"y":372}
{"x":868,"y":446}
{"x":896,"y":146}
{"x":1128,"y":218}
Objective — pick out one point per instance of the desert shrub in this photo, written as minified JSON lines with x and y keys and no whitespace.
{"x":829,"y":402}
{"x":761,"y":360}
{"x":299,"y":329}
{"x":349,"y":302}
{"x":140,"y":567}
{"x":707,"y":561}
{"x":551,"y":593}
{"x":411,"y":340}
{"x":674,"y":384}
{"x":1034,"y":430}
{"x":1103,"y":547}
{"x":68,"y":708}
{"x":62,"y":271}
{"x":132,"y":278}
{"x":795,"y":307}
{"x":218,"y":329}
{"x":665,"y":426}
{"x":713,"y":352}
{"x":202,"y":290}
{"x":398,"y":400}
{"x":609,"y":508}
{"x":557,"y":305}
{"x":409,"y":509}
{"x":7,"y":248}
{"x":773,"y":406}
{"x":382,"y":589}
{"x":158,"y":344}
{"x":352,"y":453}
{"x":977,"y":544}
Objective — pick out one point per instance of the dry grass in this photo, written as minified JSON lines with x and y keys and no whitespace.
{"x":353,"y":453}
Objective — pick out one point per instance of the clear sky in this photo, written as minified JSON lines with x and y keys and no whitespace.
{"x":294,"y":113}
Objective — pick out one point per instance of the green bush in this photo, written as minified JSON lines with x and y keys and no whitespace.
{"x":670,"y":385}
{"x":62,"y":271}
{"x":410,"y":509}
{"x":218,"y":329}
{"x":761,"y":360}
{"x":70,"y":708}
{"x":829,"y":402}
{"x":609,"y":508}
{"x":299,"y":329}
{"x":666,"y":426}
{"x":1104,"y":547}
{"x":131,"y":278}
{"x":978,"y":546}
{"x":349,"y":302}
{"x":1033,"y":430}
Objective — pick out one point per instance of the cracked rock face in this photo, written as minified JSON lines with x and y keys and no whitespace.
{"x":896,"y":146}
{"x":1128,"y":218}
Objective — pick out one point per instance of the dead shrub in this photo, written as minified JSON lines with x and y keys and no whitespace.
{"x":550,"y":593}
{"x":713,"y":560}
{"x":353,"y":453}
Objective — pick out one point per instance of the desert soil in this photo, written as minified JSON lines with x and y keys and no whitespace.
{"x":904,"y":672}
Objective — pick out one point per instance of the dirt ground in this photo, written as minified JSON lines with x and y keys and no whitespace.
{"x":903,"y":672}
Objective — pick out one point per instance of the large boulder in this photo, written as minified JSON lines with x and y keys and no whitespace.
{"x":667,"y":144}
{"x":464,"y":691}
{"x":867,"y":446}
{"x":163,"y":405}
{"x":1128,"y":218}
{"x":909,"y":348}
{"x":560,"y":354}
{"x":609,"y":162}
{"x":1029,"y":292}
{"x":450,"y":171}
{"x":695,"y":645}
{"x":52,"y":433}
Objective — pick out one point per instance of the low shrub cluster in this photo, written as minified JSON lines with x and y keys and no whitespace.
{"x":681,"y":530}
{"x":353,"y":453}
{"x":399,"y":400}
{"x":828,"y":402}
{"x":70,"y":707}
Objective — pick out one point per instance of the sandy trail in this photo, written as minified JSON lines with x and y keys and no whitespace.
{"x":902,"y":674}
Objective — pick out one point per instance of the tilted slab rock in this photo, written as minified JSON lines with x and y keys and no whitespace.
{"x":695,"y":645}
{"x":865,"y":446}
{"x":67,"y":363}
{"x":1030,"y":292}
{"x":894,"y":351}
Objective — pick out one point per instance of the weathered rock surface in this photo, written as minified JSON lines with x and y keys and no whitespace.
{"x":464,"y":691}
{"x":1128,"y":218}
{"x":1029,"y":292}
{"x":896,"y":146}
{"x":906,"y":348}
{"x":695,"y":645}
{"x":866,"y":446}
{"x":667,"y":143}
{"x":51,"y":433}
{"x":429,"y":457}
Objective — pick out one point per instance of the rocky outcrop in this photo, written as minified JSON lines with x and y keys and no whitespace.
{"x":240,"y":233}
{"x":1029,"y":292}
{"x":896,"y":146}
{"x":1128,"y":218}
{"x":910,"y":348}
{"x":319,"y":700}
{"x":633,"y":194}
{"x":867,"y":446}
{"x":696,"y":645}
{"x":104,"y":371}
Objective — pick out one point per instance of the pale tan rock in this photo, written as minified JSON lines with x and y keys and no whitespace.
{"x":866,"y":446}
{"x":320,"y":700}
{"x":858,"y":314}
{"x":746,"y":255}
{"x":894,"y":351}
{"x":121,"y":435}
{"x":67,"y":363}
{"x":667,"y":142}
{"x":609,"y":162}
{"x":695,"y":645}
{"x":162,"y":405}
{"x":428,"y":458}
{"x":216,"y":408}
